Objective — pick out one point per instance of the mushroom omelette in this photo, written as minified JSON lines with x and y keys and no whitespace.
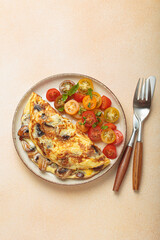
{"x":55,"y":145}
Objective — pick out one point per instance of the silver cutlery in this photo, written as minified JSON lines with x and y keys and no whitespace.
{"x":141,"y":106}
{"x":122,"y":168}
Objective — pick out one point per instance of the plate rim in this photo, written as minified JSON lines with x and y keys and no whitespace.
{"x":61,"y":75}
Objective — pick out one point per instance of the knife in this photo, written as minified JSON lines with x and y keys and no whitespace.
{"x":122,"y":168}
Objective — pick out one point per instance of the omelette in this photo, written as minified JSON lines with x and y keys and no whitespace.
{"x":54,"y":144}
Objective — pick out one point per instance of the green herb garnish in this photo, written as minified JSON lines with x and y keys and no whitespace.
{"x":98,"y":114}
{"x":99,"y":120}
{"x":81,"y":110}
{"x":89,"y":105}
{"x":90,"y":90}
{"x":104,"y":127}
{"x":70,"y":92}
{"x":64,"y":97}
{"x":73,"y":89}
{"x":84,"y":120}
{"x":61,"y":109}
{"x":95,"y":124}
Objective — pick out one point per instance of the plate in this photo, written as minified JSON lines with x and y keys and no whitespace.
{"x":41,"y":88}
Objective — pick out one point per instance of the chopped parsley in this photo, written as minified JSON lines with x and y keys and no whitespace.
{"x":99,"y":120}
{"x":104,"y":127}
{"x":95,"y":124}
{"x":98,"y":114}
{"x":61,"y":109}
{"x":81,"y":110}
{"x":89,"y":105}
{"x":84,"y":120}
{"x":90,"y":90}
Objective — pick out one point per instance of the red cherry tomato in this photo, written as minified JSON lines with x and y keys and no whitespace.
{"x":110,"y":151}
{"x":52,"y":94}
{"x":106,"y":102}
{"x":110,"y":125}
{"x":78,"y":96}
{"x":119,"y":137}
{"x":88,"y":118}
{"x":95,"y":133}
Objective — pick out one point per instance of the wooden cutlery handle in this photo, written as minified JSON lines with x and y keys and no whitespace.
{"x":122,"y":168}
{"x":137,"y":165}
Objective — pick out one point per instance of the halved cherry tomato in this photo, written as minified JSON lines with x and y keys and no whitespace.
{"x":89,"y":103}
{"x":111,"y":114}
{"x":85,"y":84}
{"x":110,"y":151}
{"x":78,"y":115}
{"x":59,"y":103}
{"x":99,"y":115}
{"x":108,"y":135}
{"x":65,"y":86}
{"x":119,"y":137}
{"x":88,"y":118}
{"x":98,"y":98}
{"x":71,"y":107}
{"x":95,"y":133}
{"x":52,"y":94}
{"x":106,"y":102}
{"x":78,"y":96}
{"x":110,"y":125}
{"x":80,"y":125}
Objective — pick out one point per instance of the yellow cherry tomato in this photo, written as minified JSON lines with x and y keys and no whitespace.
{"x":108,"y":136}
{"x":98,"y":98}
{"x":80,"y":125}
{"x":111,"y":114}
{"x":89,"y":103}
{"x":71,"y":107}
{"x":85,"y":84}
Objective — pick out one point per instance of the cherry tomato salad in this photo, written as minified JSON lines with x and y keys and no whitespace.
{"x":94,"y":113}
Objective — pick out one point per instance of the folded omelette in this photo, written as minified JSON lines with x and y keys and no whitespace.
{"x":54,"y":144}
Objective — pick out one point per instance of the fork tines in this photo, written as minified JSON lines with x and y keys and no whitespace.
{"x":143,"y":91}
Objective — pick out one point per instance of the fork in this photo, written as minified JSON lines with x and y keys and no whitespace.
{"x":141,"y":106}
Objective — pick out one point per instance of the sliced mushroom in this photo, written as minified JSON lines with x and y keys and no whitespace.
{"x":65,"y":137}
{"x":48,"y":129}
{"x":32,"y":155}
{"x":36,"y":157}
{"x":27,"y":147}
{"x":63,"y":173}
{"x":42,"y":163}
{"x":98,"y":168}
{"x":37,"y":107}
{"x":96,"y":149}
{"x":80,"y":174}
{"x":23,"y":132}
{"x":43,"y":116}
{"x":39,"y":131}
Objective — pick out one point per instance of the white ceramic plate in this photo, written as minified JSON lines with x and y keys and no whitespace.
{"x":41,"y":89}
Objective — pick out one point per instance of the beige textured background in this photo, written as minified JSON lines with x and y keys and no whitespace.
{"x":116,"y":42}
